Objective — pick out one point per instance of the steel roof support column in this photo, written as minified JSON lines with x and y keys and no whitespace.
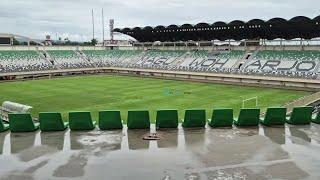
{"x":245,"y":44}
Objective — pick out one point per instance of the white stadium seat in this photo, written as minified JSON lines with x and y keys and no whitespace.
{"x":301,"y":64}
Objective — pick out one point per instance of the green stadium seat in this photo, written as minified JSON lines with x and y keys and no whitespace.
{"x":300,"y":116}
{"x":274,"y":116}
{"x":316,"y":119}
{"x":194,"y":118}
{"x":52,"y":121}
{"x":221,"y":118}
{"x":248,"y":117}
{"x":167,"y":118}
{"x":22,"y":122}
{"x":3,"y":126}
{"x":138,"y":119}
{"x":81,"y":121}
{"x":109,"y":120}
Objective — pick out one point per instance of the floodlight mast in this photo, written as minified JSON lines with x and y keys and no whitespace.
{"x":102,"y":27}
{"x":92,"y":24}
{"x":111,"y":26}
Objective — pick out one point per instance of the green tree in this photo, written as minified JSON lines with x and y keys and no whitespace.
{"x":94,"y":42}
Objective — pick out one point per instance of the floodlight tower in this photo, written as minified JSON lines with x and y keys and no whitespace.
{"x":111,"y":26}
{"x":102,"y":27}
{"x":92,"y":24}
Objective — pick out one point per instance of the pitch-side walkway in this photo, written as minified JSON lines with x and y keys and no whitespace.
{"x":289,"y":152}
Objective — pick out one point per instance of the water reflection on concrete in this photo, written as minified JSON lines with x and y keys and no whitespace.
{"x":2,"y":138}
{"x":275,"y":134}
{"x":169,"y":138}
{"x":288,"y":152}
{"x":135,"y":141}
{"x":53,"y":139}
{"x":21,"y":141}
{"x":298,"y":135}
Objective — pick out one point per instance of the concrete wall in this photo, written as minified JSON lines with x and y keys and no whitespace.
{"x":287,"y":83}
{"x":21,"y":48}
{"x":208,"y":48}
{"x":241,"y":48}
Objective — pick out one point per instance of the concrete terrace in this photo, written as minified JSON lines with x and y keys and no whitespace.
{"x":289,"y":152}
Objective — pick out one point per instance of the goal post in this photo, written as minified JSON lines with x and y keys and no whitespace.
{"x":253,"y":100}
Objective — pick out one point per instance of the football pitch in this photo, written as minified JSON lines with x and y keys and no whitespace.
{"x":107,"y":92}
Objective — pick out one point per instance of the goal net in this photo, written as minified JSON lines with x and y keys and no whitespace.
{"x":250,"y":102}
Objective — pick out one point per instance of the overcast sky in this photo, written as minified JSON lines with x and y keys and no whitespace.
{"x":72,"y":18}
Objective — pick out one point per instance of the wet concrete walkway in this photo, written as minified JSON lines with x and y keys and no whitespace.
{"x":289,"y":152}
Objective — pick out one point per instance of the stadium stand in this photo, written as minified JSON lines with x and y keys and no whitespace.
{"x":154,"y":59}
{"x":288,"y":55}
{"x":99,"y":57}
{"x":66,"y":59}
{"x":125,"y":58}
{"x":302,"y":64}
{"x":19,"y":61}
{"x":290,"y":64}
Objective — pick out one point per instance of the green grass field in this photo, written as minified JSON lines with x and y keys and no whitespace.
{"x":103,"y":92}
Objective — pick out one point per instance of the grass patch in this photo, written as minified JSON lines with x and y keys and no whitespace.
{"x":103,"y":92}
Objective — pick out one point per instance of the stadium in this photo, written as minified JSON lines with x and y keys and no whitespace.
{"x":221,"y":100}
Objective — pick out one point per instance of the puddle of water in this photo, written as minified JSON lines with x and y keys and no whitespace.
{"x":289,"y":152}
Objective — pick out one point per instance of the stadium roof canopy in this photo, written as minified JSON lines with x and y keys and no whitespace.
{"x":297,"y":27}
{"x":28,"y":39}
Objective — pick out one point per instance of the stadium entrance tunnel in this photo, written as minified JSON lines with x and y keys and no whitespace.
{"x":289,"y":152}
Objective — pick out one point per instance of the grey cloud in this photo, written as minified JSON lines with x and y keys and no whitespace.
{"x":73,"y":17}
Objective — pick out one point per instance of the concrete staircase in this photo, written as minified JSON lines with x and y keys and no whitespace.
{"x":84,"y":57}
{"x":46,"y":57}
{"x":181,"y":59}
{"x":241,"y":61}
{"x":303,"y":101}
{"x":244,"y":61}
